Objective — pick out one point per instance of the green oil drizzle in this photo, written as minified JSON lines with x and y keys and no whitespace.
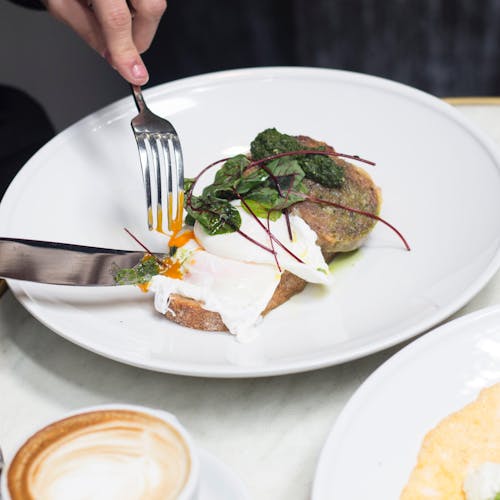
{"x":344,"y":260}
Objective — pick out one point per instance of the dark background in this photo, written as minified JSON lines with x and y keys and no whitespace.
{"x":446,"y":47}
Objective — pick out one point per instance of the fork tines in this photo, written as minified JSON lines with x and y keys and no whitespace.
{"x":162,"y":167}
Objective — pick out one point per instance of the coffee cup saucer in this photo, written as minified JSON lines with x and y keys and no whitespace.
{"x":218,"y":481}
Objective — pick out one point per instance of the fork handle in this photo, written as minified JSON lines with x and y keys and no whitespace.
{"x":138,"y":98}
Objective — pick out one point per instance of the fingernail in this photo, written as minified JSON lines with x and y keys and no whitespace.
{"x":139,"y":71}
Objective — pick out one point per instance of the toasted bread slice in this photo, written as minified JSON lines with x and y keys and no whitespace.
{"x":338,"y":231}
{"x":190,"y":312}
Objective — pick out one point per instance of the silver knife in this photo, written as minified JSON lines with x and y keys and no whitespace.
{"x":62,"y":263}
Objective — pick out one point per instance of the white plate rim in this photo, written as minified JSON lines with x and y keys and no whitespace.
{"x":116,"y":111}
{"x":423,"y":343}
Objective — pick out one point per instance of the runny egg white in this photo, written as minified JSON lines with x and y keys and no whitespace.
{"x":238,"y":291}
{"x":236,"y":278}
{"x":311,"y":267}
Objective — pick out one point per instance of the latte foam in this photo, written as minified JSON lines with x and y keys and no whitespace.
{"x":102,"y":455}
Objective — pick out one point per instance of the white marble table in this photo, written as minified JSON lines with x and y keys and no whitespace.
{"x":270,"y":431}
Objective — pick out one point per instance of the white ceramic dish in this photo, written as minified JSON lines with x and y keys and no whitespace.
{"x":374,"y":443}
{"x":440,"y":179}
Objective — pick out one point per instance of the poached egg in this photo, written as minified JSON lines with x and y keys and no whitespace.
{"x":235,"y":277}
{"x":311,"y":267}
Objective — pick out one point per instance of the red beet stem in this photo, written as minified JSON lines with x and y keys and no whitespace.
{"x":288,"y":225}
{"x":261,"y":163}
{"x":197,"y":178}
{"x":273,"y":177}
{"x":309,"y":152}
{"x":249,"y":238}
{"x":271,"y":235}
{"x":146,"y":249}
{"x":272,"y":242}
{"x":361,"y":212}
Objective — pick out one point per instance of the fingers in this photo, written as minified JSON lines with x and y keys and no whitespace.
{"x":80,"y":19}
{"x":106,"y":25}
{"x":147,"y":15}
{"x":115,"y":20}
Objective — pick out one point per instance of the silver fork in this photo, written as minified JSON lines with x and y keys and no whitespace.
{"x":162,"y":166}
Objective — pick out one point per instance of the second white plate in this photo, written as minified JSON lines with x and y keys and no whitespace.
{"x":439,"y":176}
{"x":374,"y":443}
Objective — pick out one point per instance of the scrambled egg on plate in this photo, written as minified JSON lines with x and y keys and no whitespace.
{"x":460,"y":458}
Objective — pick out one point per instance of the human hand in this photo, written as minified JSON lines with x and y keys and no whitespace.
{"x":119,"y":30}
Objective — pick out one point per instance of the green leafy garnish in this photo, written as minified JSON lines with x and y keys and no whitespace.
{"x":217,"y":216}
{"x":265,"y":190}
{"x":265,"y":196}
{"x":139,"y":274}
{"x":271,"y":142}
{"x":253,"y":178}
{"x":188,"y":182}
{"x":323,"y":170}
{"x":260,"y":210}
{"x":319,"y":168}
{"x":230,"y":173}
{"x":227,"y":178}
{"x":497,"y":496}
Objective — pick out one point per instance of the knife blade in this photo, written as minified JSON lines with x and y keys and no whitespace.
{"x":62,"y":263}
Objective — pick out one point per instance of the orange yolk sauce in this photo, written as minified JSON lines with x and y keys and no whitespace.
{"x":170,"y":267}
{"x":174,"y":224}
{"x":179,"y":239}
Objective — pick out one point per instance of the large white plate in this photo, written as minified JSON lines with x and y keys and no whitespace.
{"x":374,"y":443}
{"x":440,"y":179}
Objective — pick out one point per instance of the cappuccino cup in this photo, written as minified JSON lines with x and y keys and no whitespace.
{"x":124,"y":452}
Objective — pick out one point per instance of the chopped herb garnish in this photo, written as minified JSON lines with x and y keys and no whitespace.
{"x":321,"y":169}
{"x":188,"y":182}
{"x":216,"y":215}
{"x":139,"y":274}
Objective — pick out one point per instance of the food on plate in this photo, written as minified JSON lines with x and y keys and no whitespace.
{"x":460,"y":457}
{"x":268,"y":224}
{"x":339,"y":230}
